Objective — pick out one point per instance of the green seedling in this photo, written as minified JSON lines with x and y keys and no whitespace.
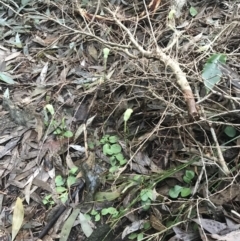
{"x":105,"y":211}
{"x":59,"y":130}
{"x":63,"y":185}
{"x":62,"y":130}
{"x":47,"y":200}
{"x":147,"y":197}
{"x":183,"y":191}
{"x":189,"y":175}
{"x":126,"y":116}
{"x":114,"y":150}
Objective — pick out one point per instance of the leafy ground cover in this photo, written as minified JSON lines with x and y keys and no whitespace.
{"x":119,"y":120}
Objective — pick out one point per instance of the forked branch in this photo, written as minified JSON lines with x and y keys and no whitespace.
{"x":168,"y":61}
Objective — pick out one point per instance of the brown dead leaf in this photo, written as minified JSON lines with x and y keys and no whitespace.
{"x":226,"y":195}
{"x":156,"y":223}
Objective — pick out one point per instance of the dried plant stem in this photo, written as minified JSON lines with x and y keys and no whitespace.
{"x":220,"y":155}
{"x":168,"y":61}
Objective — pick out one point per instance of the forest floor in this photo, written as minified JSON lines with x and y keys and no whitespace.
{"x":119,"y":120}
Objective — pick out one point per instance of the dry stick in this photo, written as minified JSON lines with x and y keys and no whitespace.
{"x":220,"y":155}
{"x":168,"y":61}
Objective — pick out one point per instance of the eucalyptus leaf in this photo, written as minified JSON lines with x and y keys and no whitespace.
{"x":6,"y":78}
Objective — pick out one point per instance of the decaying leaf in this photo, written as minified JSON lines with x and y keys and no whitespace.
{"x":18,"y":215}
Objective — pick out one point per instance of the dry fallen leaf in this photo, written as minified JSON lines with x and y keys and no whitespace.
{"x":18,"y":215}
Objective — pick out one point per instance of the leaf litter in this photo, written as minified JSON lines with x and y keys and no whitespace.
{"x":72,"y":71}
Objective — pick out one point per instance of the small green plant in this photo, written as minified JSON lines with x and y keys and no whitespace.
{"x":114,"y":150}
{"x":47,"y":200}
{"x":147,"y":196}
{"x":126,"y":116}
{"x":105,"y":211}
{"x":183,"y":191}
{"x":59,"y":130}
{"x":63,"y":185}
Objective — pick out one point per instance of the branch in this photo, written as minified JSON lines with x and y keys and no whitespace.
{"x":168,"y":61}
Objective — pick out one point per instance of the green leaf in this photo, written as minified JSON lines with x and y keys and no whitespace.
{"x":97,"y":217}
{"x":185,"y":191}
{"x":64,"y":197}
{"x":50,"y":108}
{"x":57,"y":131}
{"x":119,"y":157}
{"x":68,"y":134}
{"x":193,"y":11}
{"x":59,"y":181}
{"x":140,"y":237}
{"x":186,"y":179}
{"x":174,"y":192}
{"x":146,"y":204}
{"x":230,"y":131}
{"x":132,"y":236}
{"x":127,"y":114}
{"x":146,"y":225}
{"x":116,"y":148}
{"x":112,"y":210}
{"x":190,"y":174}
{"x":113,"y":161}
{"x":60,"y":189}
{"x":6,"y":78}
{"x":45,"y":201}
{"x":107,"y":149}
{"x":123,"y":162}
{"x":94,"y":212}
{"x":71,"y":180}
{"x":211,"y":73}
{"x":144,"y":195}
{"x":73,"y":170}
{"x":113,"y":139}
{"x":113,"y":169}
{"x":48,"y":197}
{"x":104,"y":211}
{"x":104,"y":139}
